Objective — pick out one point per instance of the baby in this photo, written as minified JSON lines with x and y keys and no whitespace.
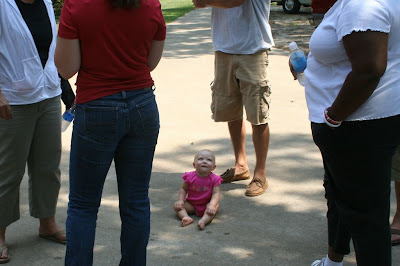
{"x":200,"y":191}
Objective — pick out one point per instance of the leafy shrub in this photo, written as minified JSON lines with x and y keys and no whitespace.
{"x":57,"y":5}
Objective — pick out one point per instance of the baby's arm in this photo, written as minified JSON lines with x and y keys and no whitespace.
{"x":179,"y":204}
{"x":212,"y":206}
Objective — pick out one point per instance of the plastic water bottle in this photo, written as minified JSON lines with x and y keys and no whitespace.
{"x":67,"y":118}
{"x":299,"y":62}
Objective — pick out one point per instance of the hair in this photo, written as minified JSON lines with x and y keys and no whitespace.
{"x":125,"y":3}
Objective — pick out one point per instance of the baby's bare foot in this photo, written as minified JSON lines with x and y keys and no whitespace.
{"x":202,"y":224}
{"x":186,"y":220}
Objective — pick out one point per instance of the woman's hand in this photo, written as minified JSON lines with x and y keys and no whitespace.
{"x":292,"y":71}
{"x":5,"y":110}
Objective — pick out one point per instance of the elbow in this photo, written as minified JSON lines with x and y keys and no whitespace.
{"x":236,"y":3}
{"x":377,"y":70}
{"x":152,"y":64}
{"x":376,"y":77}
{"x":152,"y":67}
{"x":372,"y":73}
{"x":65,"y":71}
{"x":66,"y":74}
{"x":61,"y":70}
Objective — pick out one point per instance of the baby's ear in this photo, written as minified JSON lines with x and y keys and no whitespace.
{"x":194,"y":166}
{"x":214,"y":166}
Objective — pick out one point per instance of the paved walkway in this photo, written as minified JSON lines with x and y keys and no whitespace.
{"x":285,"y":226}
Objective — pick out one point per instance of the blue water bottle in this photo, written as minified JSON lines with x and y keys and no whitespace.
{"x":67,"y":118}
{"x":298,"y":61}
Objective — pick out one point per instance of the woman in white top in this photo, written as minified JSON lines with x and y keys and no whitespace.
{"x":353,"y":97}
{"x":30,"y":115}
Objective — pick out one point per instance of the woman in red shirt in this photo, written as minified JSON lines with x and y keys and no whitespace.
{"x":113,"y":45}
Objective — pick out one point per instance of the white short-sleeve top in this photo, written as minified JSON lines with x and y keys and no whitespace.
{"x":328,"y":64}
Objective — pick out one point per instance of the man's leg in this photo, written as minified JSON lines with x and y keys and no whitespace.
{"x":256,"y":93}
{"x":261,"y":142}
{"x":237,"y":130}
{"x":227,"y":105}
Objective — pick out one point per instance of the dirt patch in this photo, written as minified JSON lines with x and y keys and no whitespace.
{"x":291,"y":27}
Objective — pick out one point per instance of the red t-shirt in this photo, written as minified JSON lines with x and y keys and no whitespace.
{"x":115,"y":44}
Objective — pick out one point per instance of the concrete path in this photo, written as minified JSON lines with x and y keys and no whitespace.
{"x":285,"y":226}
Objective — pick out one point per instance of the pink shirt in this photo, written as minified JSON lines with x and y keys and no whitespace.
{"x":200,"y":187}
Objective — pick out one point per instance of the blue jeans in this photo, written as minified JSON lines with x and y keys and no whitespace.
{"x":123,"y":127}
{"x":357,"y":159}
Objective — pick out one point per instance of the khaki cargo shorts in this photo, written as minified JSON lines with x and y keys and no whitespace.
{"x":241,"y":80}
{"x":396,"y":165}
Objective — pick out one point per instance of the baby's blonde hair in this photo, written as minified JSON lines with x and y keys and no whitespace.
{"x":212,"y":154}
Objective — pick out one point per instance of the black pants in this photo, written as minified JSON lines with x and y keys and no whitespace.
{"x":357,"y":160}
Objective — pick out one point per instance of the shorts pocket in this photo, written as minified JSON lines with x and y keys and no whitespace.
{"x":265,"y":96}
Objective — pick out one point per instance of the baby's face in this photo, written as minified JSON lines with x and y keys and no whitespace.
{"x":204,"y":163}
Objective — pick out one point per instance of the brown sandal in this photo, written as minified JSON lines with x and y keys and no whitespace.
{"x":229,"y":175}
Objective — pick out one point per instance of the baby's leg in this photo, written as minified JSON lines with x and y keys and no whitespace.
{"x":184,"y":213}
{"x":207,"y":218}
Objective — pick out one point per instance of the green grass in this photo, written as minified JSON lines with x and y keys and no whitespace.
{"x":173,"y":9}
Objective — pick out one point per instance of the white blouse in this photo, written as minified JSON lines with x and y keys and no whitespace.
{"x":328,"y":64}
{"x":22,"y":77}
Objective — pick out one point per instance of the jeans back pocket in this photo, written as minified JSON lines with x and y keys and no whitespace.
{"x":147,"y":110}
{"x":100,"y":123}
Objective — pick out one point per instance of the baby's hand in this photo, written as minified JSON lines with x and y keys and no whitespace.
{"x":178,"y":205}
{"x":211,"y":210}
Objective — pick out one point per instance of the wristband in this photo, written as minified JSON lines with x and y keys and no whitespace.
{"x":329,"y":121}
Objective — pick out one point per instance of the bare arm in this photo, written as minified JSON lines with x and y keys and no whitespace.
{"x":156,"y":50}
{"x":216,"y":194}
{"x":217,"y":3}
{"x":180,"y":203}
{"x":367,"y":52}
{"x":183,"y":191}
{"x":212,"y":206}
{"x":68,"y":57}
{"x":5,"y":110}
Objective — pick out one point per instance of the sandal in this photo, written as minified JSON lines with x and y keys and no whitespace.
{"x":6,"y":259}
{"x":229,"y":175}
{"x":55,"y":237}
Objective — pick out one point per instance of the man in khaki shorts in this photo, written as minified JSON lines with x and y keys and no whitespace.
{"x":241,"y":37}
{"x":395,"y":226}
